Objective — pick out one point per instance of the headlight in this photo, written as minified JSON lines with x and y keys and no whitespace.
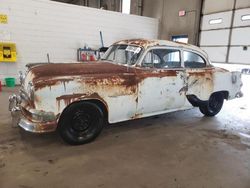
{"x":30,"y":90}
{"x":21,"y":77}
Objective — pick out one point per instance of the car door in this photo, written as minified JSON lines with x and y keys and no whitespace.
{"x":161,"y":80}
{"x":199,"y":75}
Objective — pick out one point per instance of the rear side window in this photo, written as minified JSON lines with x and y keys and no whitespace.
{"x":172,"y":58}
{"x":193,"y":60}
{"x":162,"y":58}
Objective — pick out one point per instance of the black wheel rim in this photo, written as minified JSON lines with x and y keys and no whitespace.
{"x":83,"y":124}
{"x":81,"y":121}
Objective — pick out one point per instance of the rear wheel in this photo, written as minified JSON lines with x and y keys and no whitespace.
{"x":213,"y":105}
{"x":81,"y":123}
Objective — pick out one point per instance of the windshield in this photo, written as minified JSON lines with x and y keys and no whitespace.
{"x":123,"y":54}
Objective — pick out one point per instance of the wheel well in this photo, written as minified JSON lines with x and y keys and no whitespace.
{"x":195,"y":101}
{"x":101,"y":105}
{"x":95,"y":101}
{"x":225,"y":94}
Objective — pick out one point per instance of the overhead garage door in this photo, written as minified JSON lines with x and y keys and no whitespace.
{"x":225,"y":31}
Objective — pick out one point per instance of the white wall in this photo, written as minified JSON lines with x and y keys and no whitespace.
{"x":39,"y":27}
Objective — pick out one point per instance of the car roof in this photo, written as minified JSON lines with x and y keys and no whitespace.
{"x":147,"y":43}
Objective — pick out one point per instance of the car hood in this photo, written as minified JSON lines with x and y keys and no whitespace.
{"x":75,"y":69}
{"x":49,"y":74}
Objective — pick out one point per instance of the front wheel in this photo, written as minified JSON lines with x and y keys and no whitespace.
{"x":81,"y":123}
{"x":213,"y":105}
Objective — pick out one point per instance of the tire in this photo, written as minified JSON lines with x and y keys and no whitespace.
{"x":213,"y":105}
{"x":81,"y":123}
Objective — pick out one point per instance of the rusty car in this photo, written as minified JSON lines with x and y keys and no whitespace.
{"x":136,"y":78}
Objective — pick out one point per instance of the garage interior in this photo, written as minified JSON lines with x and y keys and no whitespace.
{"x":180,"y":149}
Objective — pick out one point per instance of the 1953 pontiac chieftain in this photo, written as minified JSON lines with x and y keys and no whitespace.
{"x":136,"y":78}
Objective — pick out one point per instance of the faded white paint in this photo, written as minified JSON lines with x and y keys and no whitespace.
{"x":153,"y":94}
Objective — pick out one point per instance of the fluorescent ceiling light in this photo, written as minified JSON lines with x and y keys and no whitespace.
{"x":245,"y":17}
{"x":215,"y":21}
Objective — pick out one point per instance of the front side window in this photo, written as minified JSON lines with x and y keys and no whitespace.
{"x":123,"y":54}
{"x":193,"y":60}
{"x":151,"y":59}
{"x":162,"y":58}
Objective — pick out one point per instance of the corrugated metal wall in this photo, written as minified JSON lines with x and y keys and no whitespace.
{"x":225,"y":35}
{"x":39,"y":27}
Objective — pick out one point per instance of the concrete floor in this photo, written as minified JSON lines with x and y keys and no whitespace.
{"x":179,"y":150}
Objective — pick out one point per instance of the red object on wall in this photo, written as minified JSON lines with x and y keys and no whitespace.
{"x":0,"y":86}
{"x":92,"y":58}
{"x":84,"y":57}
{"x":182,"y":13}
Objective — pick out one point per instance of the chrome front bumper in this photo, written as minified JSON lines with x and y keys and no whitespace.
{"x":19,"y":119}
{"x":14,"y":103}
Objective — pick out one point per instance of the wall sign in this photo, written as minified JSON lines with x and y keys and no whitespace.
{"x":7,"y":52}
{"x":3,"y":19}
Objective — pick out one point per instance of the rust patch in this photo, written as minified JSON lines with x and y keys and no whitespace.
{"x":197,"y":74}
{"x":200,"y":80}
{"x":42,"y":82}
{"x":53,"y":74}
{"x":138,"y":42}
{"x":159,"y":74}
{"x":136,"y":116}
{"x":76,"y":69}
{"x":47,"y":126}
{"x":145,"y":43}
{"x":113,"y":80}
{"x":68,"y":99}
{"x":98,"y":73}
{"x":32,"y":104}
{"x":120,"y":83}
{"x":201,"y":73}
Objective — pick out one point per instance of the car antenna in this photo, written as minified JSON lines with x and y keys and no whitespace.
{"x":102,"y":44}
{"x":48,"y":57}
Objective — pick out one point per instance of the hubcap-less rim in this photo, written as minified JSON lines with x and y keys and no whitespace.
{"x":81,"y":121}
{"x":83,"y":124}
